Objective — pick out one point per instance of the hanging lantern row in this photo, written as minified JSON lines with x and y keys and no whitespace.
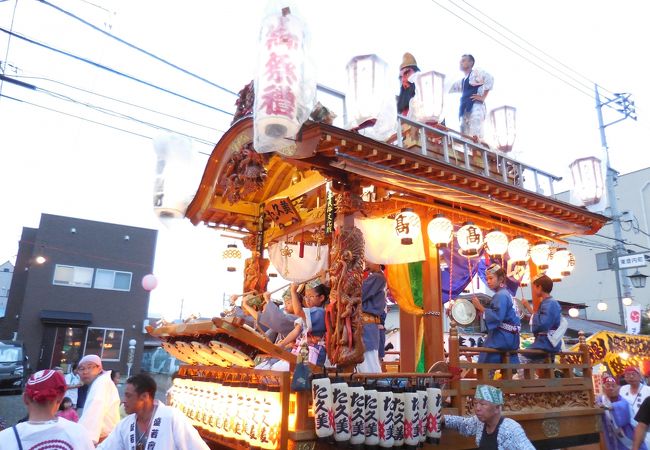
{"x":232,"y":257}
{"x":557,"y":263}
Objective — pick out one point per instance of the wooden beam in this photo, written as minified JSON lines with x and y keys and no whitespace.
{"x":431,"y":302}
{"x":243,"y":208}
{"x":408,"y":332}
{"x":307,"y":184}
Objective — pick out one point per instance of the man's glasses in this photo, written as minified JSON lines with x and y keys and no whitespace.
{"x":87,"y":368}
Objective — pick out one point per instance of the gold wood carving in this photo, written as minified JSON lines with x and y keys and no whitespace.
{"x":535,"y":402}
{"x":344,"y":337}
{"x":255,"y":277}
{"x":244,"y":175}
{"x":551,"y":428}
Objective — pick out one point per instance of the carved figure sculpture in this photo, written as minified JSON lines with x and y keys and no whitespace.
{"x":244,"y":174}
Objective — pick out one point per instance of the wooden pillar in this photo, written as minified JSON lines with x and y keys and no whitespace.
{"x":533,"y":273}
{"x":434,"y":350}
{"x":408,"y":339}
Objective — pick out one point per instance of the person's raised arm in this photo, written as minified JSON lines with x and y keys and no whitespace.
{"x":295,"y":302}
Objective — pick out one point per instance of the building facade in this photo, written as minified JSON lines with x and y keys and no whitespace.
{"x":6,"y":273}
{"x":77,"y":290}
{"x":587,"y":284}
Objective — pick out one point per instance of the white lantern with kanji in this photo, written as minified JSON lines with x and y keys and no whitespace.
{"x":407,"y":225}
{"x":496,"y":243}
{"x":427,"y":104}
{"x":284,"y":94}
{"x":540,"y":254}
{"x":518,"y":250}
{"x":470,"y":239}
{"x":588,"y":183}
{"x":440,"y":230}
{"x":504,"y":125}
{"x":562,"y":262}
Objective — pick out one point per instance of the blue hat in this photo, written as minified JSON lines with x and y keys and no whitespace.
{"x":317,"y":318}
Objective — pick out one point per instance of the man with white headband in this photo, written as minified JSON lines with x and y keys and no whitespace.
{"x":44,"y":392}
{"x":491,"y":430}
{"x":102,"y":408}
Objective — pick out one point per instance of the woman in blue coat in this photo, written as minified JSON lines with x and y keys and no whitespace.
{"x":500,"y":318}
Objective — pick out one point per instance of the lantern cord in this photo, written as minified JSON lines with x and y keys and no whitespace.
{"x":135,"y":47}
{"x":111,"y":70}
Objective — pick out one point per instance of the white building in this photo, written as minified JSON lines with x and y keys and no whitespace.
{"x":6,"y":272}
{"x":589,"y":285}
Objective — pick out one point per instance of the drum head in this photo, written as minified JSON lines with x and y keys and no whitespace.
{"x":463,"y":311}
{"x":231,"y":354}
{"x":205,"y":352}
{"x":187,"y":350}
{"x":176,"y":353}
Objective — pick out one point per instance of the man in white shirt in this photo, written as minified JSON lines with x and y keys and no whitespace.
{"x":150,"y":424}
{"x":74,"y":383}
{"x":102,"y":408}
{"x":635,"y":392}
{"x":43,"y":393}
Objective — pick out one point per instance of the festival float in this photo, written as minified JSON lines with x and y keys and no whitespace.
{"x":430,"y":204}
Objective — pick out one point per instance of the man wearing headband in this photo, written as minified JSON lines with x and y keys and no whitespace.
{"x":373,"y":303}
{"x":618,"y":427}
{"x":491,"y":430}
{"x":102,"y":407}
{"x":635,"y":392}
{"x":44,"y":392}
{"x":546,"y":321}
{"x":150,"y":424}
{"x":500,"y":318}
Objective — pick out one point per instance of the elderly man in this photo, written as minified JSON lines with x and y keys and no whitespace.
{"x":102,"y":407}
{"x":491,"y":430}
{"x":150,"y":424}
{"x":474,"y":88}
{"x":635,"y":392}
{"x":618,"y":426}
{"x":44,"y":392}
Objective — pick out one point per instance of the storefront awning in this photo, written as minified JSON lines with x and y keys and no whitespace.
{"x":65,"y":317}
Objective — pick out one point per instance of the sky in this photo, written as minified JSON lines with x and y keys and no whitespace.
{"x":51,"y":163}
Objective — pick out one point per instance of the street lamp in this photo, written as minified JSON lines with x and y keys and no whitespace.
{"x":638,"y":279}
{"x":130,"y":357}
{"x":587,"y":180}
{"x":504,"y":125}
{"x":602,"y":306}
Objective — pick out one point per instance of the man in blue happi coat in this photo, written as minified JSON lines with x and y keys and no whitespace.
{"x":373,"y":302}
{"x":546,"y":321}
{"x":500,"y":318}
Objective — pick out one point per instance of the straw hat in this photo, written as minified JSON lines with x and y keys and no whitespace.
{"x":408,"y":60}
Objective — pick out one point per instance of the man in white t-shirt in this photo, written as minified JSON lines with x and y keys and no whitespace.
{"x":74,"y":383}
{"x":634,"y":392}
{"x":150,"y":424}
{"x":102,"y":408}
{"x":43,"y":393}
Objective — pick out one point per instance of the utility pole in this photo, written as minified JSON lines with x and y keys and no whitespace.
{"x":180,"y":316}
{"x":626,"y":106}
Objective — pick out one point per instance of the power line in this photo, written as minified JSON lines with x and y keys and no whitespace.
{"x":82,"y":118}
{"x":113,"y":71}
{"x":586,"y":93}
{"x":591,"y":82}
{"x":135,"y":47}
{"x":121,"y":101}
{"x":11,"y":28}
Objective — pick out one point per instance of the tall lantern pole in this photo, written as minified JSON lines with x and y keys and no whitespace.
{"x":610,"y":181}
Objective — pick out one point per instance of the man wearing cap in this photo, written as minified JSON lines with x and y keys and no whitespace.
{"x":500,"y":318}
{"x":44,"y":392}
{"x":491,"y":430}
{"x":618,"y":426}
{"x":546,"y":321}
{"x":474,"y":88}
{"x":150,"y":424}
{"x":635,"y":392}
{"x":407,"y":69}
{"x":102,"y":407}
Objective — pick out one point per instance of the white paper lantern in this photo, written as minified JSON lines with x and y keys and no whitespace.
{"x":588,"y":183}
{"x":149,"y":282}
{"x":496,"y":243}
{"x":570,"y":265}
{"x":173,"y":187}
{"x":407,"y":226}
{"x":540,"y":254}
{"x":363,"y":99}
{"x":429,"y":96}
{"x":440,"y":230}
{"x":525,"y":279}
{"x":232,"y":257}
{"x":574,"y":312}
{"x":504,"y":125}
{"x":470,"y":239}
{"x":518,"y":250}
{"x":284,"y":96}
{"x":554,"y":274}
{"x":602,"y":306}
{"x":627,"y":301}
{"x":560,"y":262}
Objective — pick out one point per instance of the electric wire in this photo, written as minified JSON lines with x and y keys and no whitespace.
{"x":557,"y":61}
{"x":144,"y":108}
{"x":578,"y":89}
{"x":3,"y":64}
{"x":82,"y":118}
{"x":113,"y":71}
{"x":135,"y":47}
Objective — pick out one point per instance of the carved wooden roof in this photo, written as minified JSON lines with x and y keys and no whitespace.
{"x":325,"y":152}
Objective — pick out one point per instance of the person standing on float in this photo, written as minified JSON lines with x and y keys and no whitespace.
{"x":500,"y":318}
{"x":407,"y":69}
{"x":373,"y":303}
{"x":474,"y":88}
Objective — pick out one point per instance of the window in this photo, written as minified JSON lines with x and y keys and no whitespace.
{"x":113,"y":280}
{"x":73,"y":276}
{"x":104,"y":342}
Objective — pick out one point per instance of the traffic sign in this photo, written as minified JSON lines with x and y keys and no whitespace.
{"x":631,"y":261}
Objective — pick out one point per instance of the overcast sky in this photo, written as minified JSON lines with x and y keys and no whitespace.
{"x":62,"y":165}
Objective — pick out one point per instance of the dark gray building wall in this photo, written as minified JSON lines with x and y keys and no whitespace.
{"x":84,"y":243}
